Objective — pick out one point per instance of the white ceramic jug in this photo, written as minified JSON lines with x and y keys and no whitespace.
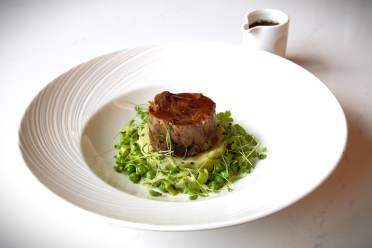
{"x":266,"y":29}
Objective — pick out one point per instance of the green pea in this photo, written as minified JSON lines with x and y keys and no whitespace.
{"x":219,"y":179}
{"x":140,"y":170}
{"x":218,"y":167}
{"x":154,"y":193}
{"x":130,"y":168}
{"x":119,"y":168}
{"x":214,"y":185}
{"x":124,"y":151}
{"x":193,"y":197}
{"x":151,"y":174}
{"x":135,"y":178}
{"x":262,"y":156}
{"x":203,"y":176}
{"x":224,"y":174}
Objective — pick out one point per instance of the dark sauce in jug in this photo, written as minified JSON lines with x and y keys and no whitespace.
{"x":263,"y":23}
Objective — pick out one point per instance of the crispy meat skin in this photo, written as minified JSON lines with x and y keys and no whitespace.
{"x":189,"y":118}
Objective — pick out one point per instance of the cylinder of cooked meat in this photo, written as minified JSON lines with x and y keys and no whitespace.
{"x":188,"y":118}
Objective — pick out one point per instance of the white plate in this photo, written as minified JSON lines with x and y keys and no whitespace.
{"x":68,"y":132}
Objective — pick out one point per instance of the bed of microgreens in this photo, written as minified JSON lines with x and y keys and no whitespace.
{"x":163,"y":174}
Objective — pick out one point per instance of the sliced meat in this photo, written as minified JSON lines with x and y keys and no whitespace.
{"x":189,"y":118}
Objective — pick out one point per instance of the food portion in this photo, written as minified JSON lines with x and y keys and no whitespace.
{"x":178,"y":145}
{"x":189,"y":119}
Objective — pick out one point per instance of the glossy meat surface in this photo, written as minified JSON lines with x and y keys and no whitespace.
{"x":189,"y":118}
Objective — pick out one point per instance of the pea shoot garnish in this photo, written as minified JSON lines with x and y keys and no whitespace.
{"x":233,"y":157}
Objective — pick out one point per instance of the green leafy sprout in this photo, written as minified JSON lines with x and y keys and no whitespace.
{"x":163,"y":173}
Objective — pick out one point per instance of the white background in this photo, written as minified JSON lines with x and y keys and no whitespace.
{"x":40,"y":40}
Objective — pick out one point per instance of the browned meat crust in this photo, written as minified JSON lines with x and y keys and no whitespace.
{"x":189,"y":118}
